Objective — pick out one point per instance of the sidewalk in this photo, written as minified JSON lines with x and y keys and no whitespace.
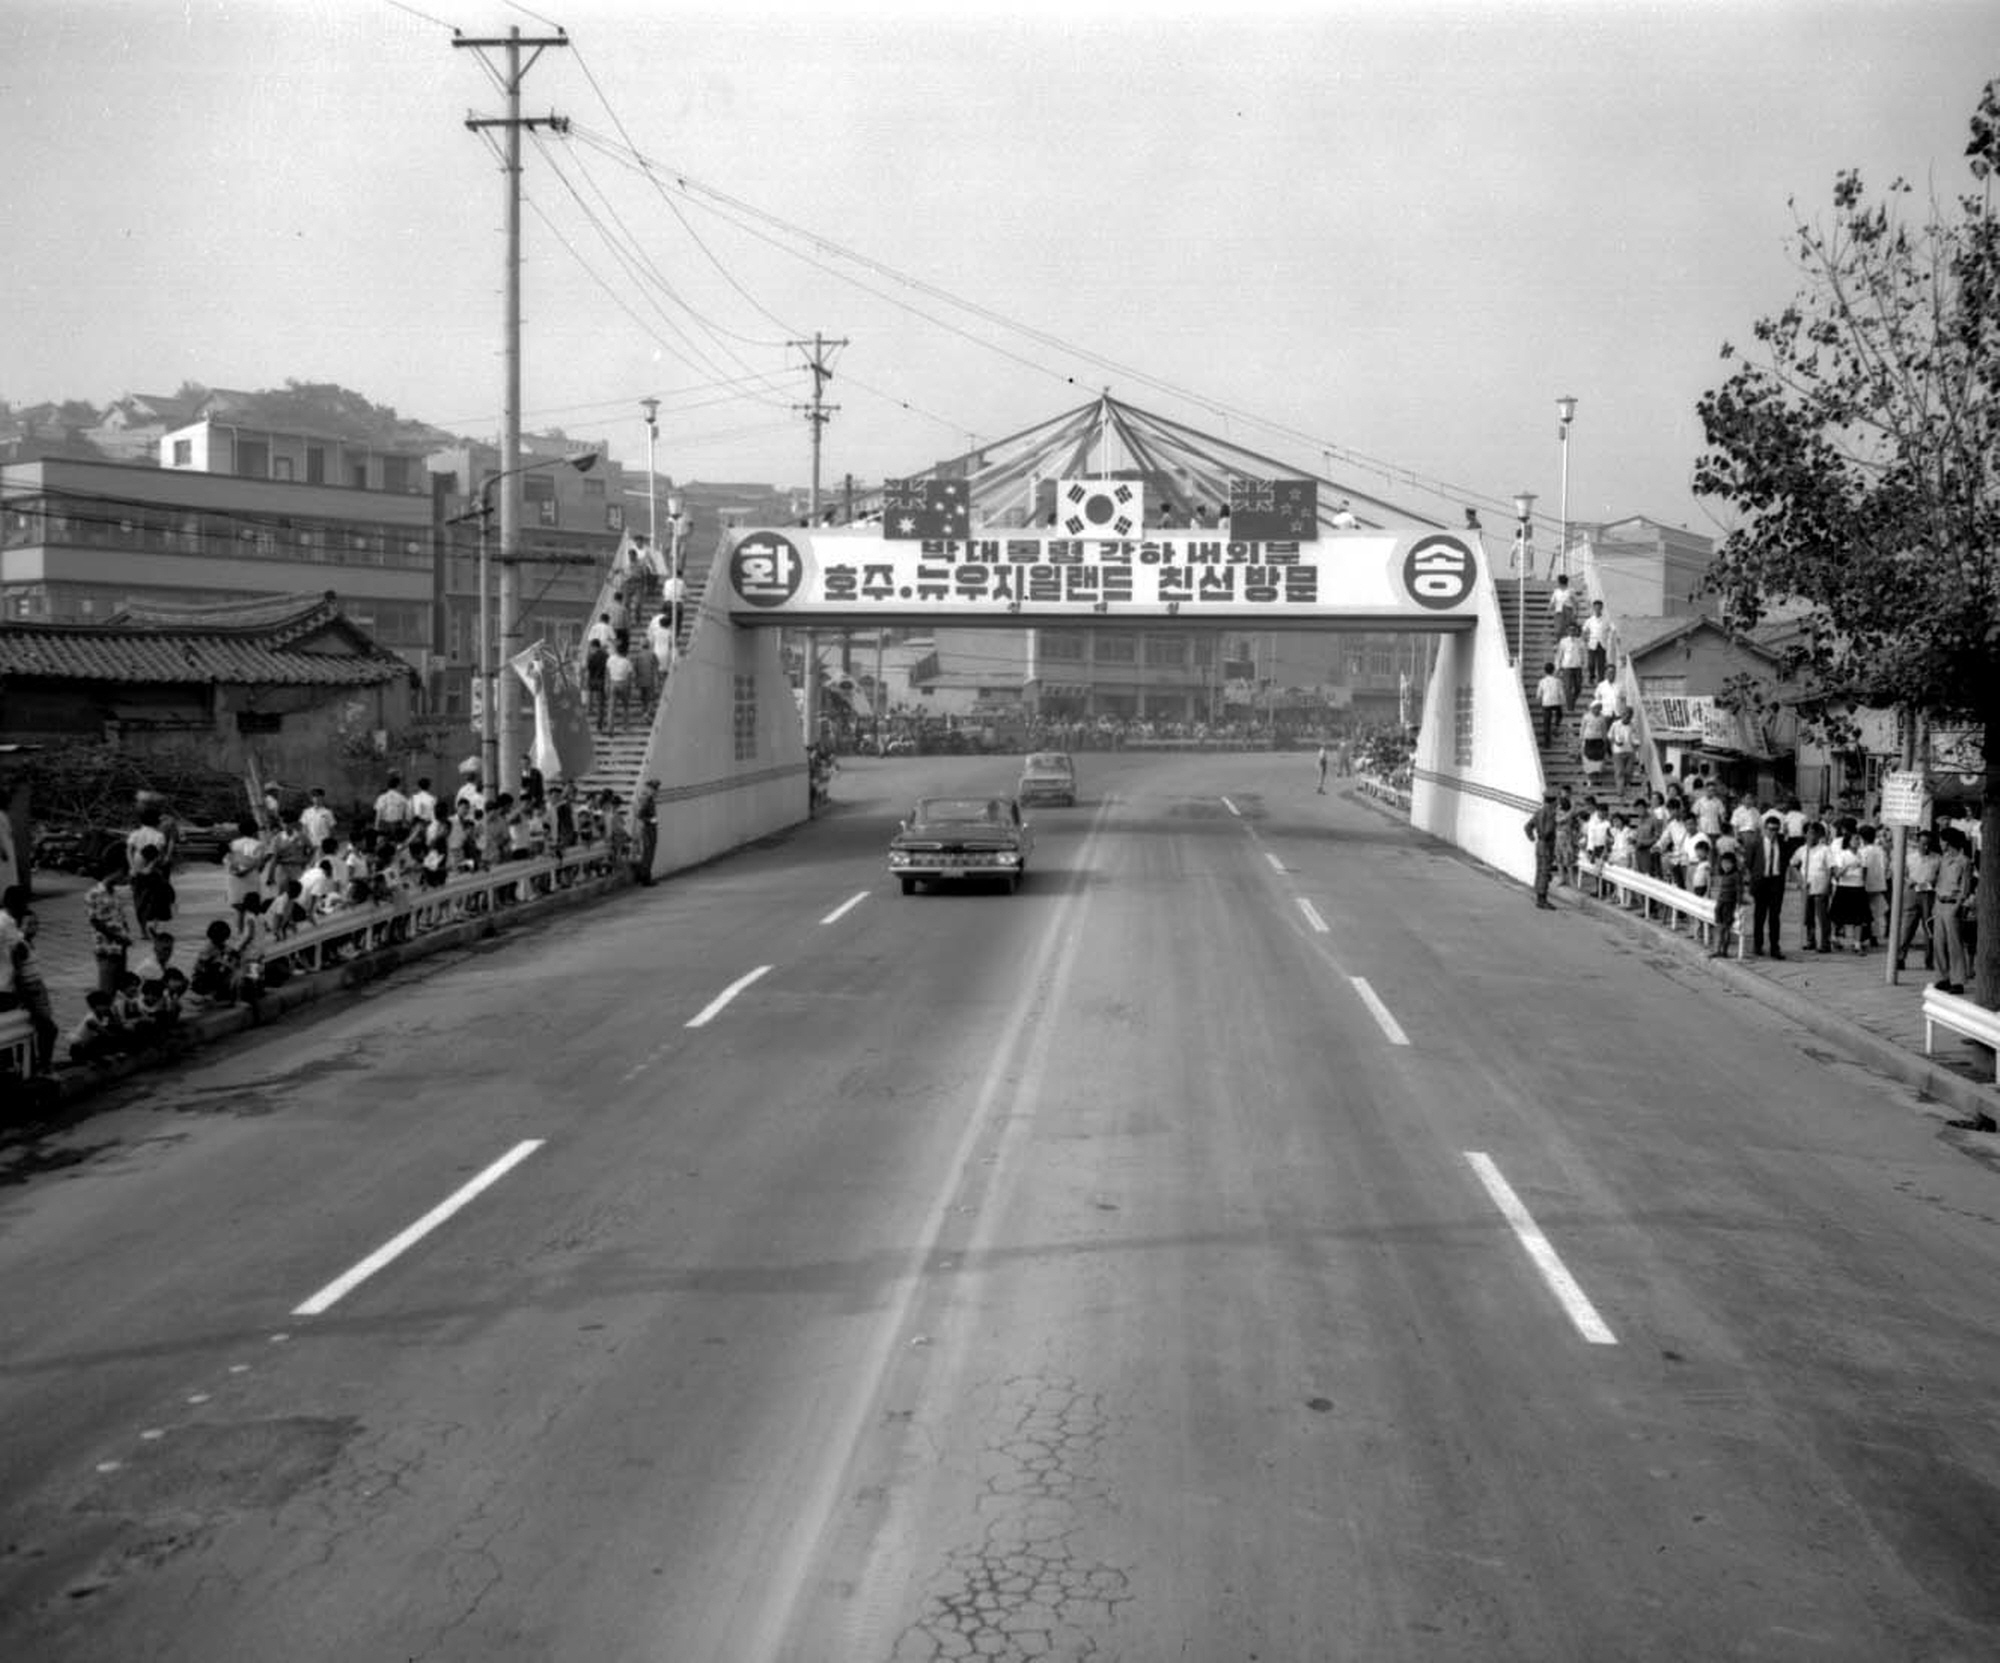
{"x":1842,"y":997}
{"x":69,"y":964}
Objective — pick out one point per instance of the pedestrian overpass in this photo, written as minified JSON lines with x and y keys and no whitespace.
{"x":726,"y":741}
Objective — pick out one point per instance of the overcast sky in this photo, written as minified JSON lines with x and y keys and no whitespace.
{"x":1396,"y":230}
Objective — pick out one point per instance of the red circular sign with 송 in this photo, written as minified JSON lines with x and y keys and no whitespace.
{"x":1439,"y":572}
{"x":765,"y":569}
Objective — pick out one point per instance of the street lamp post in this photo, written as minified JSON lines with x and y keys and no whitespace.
{"x":489,"y":723}
{"x":652,"y":409}
{"x":672,"y":584}
{"x":1524,"y":513}
{"x":1565,"y":414}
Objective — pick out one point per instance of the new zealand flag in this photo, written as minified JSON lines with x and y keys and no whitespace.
{"x":1274,"y":510}
{"x":926,"y":510}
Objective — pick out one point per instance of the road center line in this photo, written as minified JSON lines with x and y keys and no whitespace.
{"x":1554,"y":1272}
{"x":1233,"y":809}
{"x":395,"y":1246}
{"x":1277,"y":865}
{"x":1312,"y":915}
{"x":714,"y":1006}
{"x":845,"y":907}
{"x":1379,"y":1011}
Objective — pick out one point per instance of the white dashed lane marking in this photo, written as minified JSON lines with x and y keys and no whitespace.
{"x":397,"y":1245}
{"x":1277,"y":865}
{"x":1312,"y":916}
{"x":1233,"y":809}
{"x":715,"y":1006}
{"x":1554,"y":1272}
{"x":845,"y":907}
{"x":1388,"y":1024}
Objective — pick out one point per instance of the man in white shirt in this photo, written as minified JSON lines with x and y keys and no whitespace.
{"x":470,"y":792}
{"x":392,"y":808}
{"x":673,"y":599}
{"x":601,"y":632}
{"x":423,"y":803}
{"x":1597,"y":642}
{"x":618,"y":683}
{"x":316,"y":821}
{"x":1605,"y":695}
{"x":660,"y":637}
{"x":1708,"y":812}
{"x":1569,"y":664}
{"x":1624,"y":750}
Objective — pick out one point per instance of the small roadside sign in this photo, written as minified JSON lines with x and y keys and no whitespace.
{"x":1903,"y":799}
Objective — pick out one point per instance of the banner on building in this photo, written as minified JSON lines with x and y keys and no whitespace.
{"x":859,"y":574}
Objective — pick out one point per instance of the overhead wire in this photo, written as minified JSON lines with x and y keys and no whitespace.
{"x":736,"y":211}
{"x":694,"y":355}
{"x":636,"y":255}
{"x":625,"y":133}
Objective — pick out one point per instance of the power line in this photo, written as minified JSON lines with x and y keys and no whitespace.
{"x":718,"y":201}
{"x":625,"y":134}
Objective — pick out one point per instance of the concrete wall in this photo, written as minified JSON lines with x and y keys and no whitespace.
{"x":1480,"y":804}
{"x":711,"y":799}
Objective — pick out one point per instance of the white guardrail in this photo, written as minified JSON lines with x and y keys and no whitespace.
{"x":1373,"y":785}
{"x":1961,"y":1016}
{"x":354,"y":932}
{"x":1651,"y":892}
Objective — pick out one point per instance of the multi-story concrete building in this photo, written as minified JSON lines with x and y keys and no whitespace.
{"x":243,"y":512}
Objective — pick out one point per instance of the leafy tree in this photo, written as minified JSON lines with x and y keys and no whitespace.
{"x":1860,"y":445}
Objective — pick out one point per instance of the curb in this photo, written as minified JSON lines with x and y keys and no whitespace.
{"x":1910,"y":1068}
{"x":76,"y":1082}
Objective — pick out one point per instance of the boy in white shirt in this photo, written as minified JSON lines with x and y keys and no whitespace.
{"x":1548,"y":696}
{"x":1562,"y":604}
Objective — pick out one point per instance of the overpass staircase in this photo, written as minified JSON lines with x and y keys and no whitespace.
{"x":619,"y":757}
{"x":1524,"y":607}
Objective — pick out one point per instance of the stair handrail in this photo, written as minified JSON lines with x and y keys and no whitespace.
{"x":1584,"y":552}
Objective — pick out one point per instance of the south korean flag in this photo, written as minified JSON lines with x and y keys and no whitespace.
{"x":1100,"y":507}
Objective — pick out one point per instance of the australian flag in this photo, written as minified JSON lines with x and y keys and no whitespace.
{"x":927,"y":510}
{"x":1274,"y":510}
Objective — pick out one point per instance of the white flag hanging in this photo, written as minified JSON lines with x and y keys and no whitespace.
{"x":1100,"y":507}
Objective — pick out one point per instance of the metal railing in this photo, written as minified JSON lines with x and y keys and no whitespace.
{"x":1628,"y":679}
{"x":355,"y":932}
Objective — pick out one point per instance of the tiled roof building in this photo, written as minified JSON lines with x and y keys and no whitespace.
{"x":278,"y":641}
{"x":287,"y":681}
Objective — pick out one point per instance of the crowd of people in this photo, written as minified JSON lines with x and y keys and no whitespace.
{"x":292,"y":865}
{"x":1738,"y":852}
{"x":631,"y":649}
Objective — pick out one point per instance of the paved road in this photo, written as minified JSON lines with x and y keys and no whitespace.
{"x":1262,"y":1238}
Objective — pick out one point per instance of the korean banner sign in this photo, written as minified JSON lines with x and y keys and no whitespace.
{"x":854,"y":574}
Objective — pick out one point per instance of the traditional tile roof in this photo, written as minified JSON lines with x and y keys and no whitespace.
{"x":281,"y":641}
{"x":1641,"y":634}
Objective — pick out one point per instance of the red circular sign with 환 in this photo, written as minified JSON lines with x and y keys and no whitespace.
{"x":1439,"y":571}
{"x":765,"y":569}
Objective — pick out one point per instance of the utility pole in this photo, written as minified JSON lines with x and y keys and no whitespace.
{"x":505,"y":698}
{"x":819,"y":413}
